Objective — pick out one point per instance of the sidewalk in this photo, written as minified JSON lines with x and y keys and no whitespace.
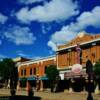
{"x":46,"y":95}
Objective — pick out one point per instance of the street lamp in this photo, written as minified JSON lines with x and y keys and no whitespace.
{"x":89,"y":71}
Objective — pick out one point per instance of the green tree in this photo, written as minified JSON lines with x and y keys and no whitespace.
{"x":52,"y":73}
{"x":8,"y":71}
{"x":97,"y":72}
{"x":23,"y":82}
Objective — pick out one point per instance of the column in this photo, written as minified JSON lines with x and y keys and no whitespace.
{"x":18,"y":85}
{"x":70,"y":87}
{"x":28,"y":86}
{"x":97,"y":89}
{"x":41,"y":85}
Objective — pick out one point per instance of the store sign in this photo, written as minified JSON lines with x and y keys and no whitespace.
{"x":76,"y":69}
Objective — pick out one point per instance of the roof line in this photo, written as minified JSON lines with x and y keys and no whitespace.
{"x":95,"y":40}
{"x":42,"y":58}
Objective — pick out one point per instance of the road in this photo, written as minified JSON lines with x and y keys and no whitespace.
{"x":46,"y":95}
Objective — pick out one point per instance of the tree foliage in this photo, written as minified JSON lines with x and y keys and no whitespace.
{"x":52,"y":72}
{"x":97,"y":68}
{"x":23,"y":82}
{"x":8,"y":70}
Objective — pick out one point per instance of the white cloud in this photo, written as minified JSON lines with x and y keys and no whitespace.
{"x":55,"y":10}
{"x":20,"y":35}
{"x":23,"y":55}
{"x":62,"y":36}
{"x":68,"y":32}
{"x":45,"y":28}
{"x":36,"y":57}
{"x":3,"y":18}
{"x":51,"y":52}
{"x":52,"y":45}
{"x":89,"y":18}
{"x":29,"y":1}
{"x":2,"y":56}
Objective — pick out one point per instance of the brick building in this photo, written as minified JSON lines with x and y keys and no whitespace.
{"x":77,"y":51}
{"x":74,"y":52}
{"x":67,"y":54}
{"x":33,"y":69}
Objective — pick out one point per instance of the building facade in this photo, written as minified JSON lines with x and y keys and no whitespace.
{"x":76,"y":53}
{"x":34,"y":70}
{"x":67,"y":56}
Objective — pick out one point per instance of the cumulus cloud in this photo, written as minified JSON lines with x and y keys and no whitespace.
{"x":52,"y":45}
{"x":20,"y":35}
{"x":29,"y":1}
{"x":23,"y":55}
{"x":45,"y":28}
{"x":3,"y":18}
{"x":89,"y":18}
{"x":68,"y":32}
{"x":2,"y":56}
{"x":62,"y":36}
{"x":36,"y":57}
{"x":55,"y":10}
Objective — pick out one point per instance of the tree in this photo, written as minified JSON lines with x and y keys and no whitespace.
{"x":97,"y":72}
{"x":97,"y":68}
{"x":9,"y":71}
{"x":52,"y":73}
{"x":23,"y":82}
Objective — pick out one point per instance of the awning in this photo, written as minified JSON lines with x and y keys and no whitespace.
{"x":44,"y":78}
{"x":28,"y":78}
{"x":31,"y":78}
{"x":20,"y":79}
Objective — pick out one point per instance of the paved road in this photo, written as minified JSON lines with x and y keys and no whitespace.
{"x":46,"y":95}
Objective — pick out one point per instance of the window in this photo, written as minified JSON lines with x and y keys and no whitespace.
{"x":24,"y":71}
{"x":37,"y":70}
{"x":31,"y":71}
{"x":34,"y":71}
{"x":45,"y":69}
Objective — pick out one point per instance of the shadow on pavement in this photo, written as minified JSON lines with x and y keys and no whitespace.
{"x":18,"y":97}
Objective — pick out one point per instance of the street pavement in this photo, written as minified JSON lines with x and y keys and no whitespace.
{"x":47,"y":95}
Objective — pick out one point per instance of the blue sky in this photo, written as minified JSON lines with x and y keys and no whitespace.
{"x":33,"y":28}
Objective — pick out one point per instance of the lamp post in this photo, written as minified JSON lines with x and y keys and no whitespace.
{"x":89,"y":71}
